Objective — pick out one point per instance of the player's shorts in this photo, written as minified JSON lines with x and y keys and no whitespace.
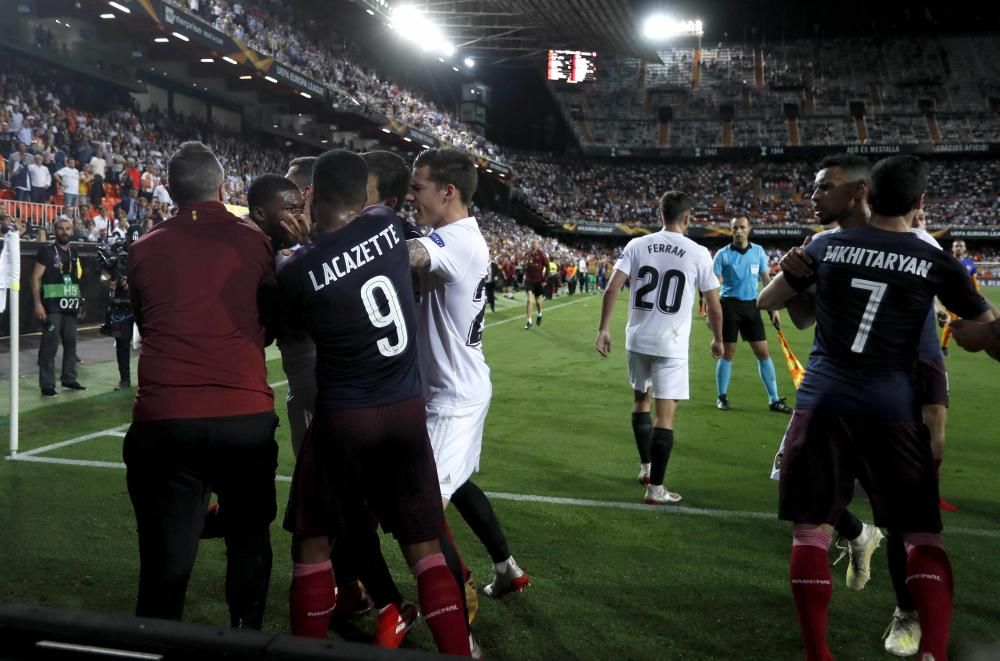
{"x":356,"y":460}
{"x":931,"y":382}
{"x":456,"y":435}
{"x":535,"y":287}
{"x":824,"y":453}
{"x":741,"y":318}
{"x":667,"y":376}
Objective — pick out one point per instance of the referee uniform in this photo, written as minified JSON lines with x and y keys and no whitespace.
{"x":741,"y":269}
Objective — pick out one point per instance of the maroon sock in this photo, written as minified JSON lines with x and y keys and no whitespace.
{"x":441,"y":604}
{"x":930,"y":582}
{"x":812,"y":588}
{"x":311,"y":599}
{"x":447,"y":531}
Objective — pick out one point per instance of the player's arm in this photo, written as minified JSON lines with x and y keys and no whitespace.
{"x":713,"y":308}
{"x":603,"y":343}
{"x":420,"y":259}
{"x":776,"y":294}
{"x":765,"y":278}
{"x":36,"y":291}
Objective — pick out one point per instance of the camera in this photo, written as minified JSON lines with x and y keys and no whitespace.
{"x":113,"y":259}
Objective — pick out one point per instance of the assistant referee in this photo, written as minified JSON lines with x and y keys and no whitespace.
{"x":740,"y":266}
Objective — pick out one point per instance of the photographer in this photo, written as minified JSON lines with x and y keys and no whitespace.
{"x":119,"y":320}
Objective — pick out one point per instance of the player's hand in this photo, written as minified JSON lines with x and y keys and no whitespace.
{"x":603,"y":343}
{"x":776,"y":319}
{"x":297,"y":227}
{"x":40,"y":312}
{"x":717,"y":349}
{"x":973,"y":335}
{"x":797,"y":262}
{"x":942,"y":318}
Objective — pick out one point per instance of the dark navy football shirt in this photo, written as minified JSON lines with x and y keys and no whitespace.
{"x":874,"y":289}
{"x":352,"y":291}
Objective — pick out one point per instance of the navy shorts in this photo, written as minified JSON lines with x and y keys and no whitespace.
{"x":741,"y":318}
{"x":356,"y":461}
{"x":931,"y":382}
{"x":825,"y":453}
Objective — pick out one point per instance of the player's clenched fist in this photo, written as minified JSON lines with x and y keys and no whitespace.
{"x":603,"y":343}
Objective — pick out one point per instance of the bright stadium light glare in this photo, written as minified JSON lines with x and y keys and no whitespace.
{"x":121,"y":8}
{"x":207,"y":60}
{"x":161,"y":40}
{"x":107,"y":16}
{"x":180,"y":36}
{"x":270,"y":79}
{"x":469,"y":62}
{"x":247,"y":77}
{"x":660,"y":27}
{"x":413,"y":25}
{"x":305,"y":95}
{"x":226,"y":58}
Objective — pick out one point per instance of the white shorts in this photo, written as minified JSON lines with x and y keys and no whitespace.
{"x":456,"y":435}
{"x":668,"y":376}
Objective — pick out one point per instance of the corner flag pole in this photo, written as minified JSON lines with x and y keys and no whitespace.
{"x":10,"y":278}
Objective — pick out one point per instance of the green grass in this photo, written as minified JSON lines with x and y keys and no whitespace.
{"x":607,"y":583}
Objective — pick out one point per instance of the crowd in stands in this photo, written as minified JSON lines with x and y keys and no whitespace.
{"x":895,"y":77}
{"x":963,"y":192}
{"x":96,"y":164}
{"x":311,"y":45}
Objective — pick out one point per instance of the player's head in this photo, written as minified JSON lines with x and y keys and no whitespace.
{"x":958,"y":249}
{"x":194,"y":175}
{"x":675,"y":209}
{"x":300,"y":172}
{"x":741,"y":230}
{"x":388,"y":178}
{"x":272,"y":199}
{"x":841,"y":187}
{"x":63,"y":229}
{"x":898,"y":185}
{"x":919,"y":221}
{"x":339,"y":188}
{"x":442,"y":185}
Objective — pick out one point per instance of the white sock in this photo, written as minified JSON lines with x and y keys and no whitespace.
{"x":501,"y":567}
{"x":645,"y":468}
{"x":862,"y":539}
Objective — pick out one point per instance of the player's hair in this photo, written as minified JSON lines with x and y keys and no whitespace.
{"x":266,"y":187}
{"x":300,"y":171}
{"x":673,"y":205}
{"x":392,"y":173}
{"x":897,"y":184}
{"x":194,"y":174}
{"x":340,"y":178}
{"x":450,"y":166}
{"x":856,"y":168}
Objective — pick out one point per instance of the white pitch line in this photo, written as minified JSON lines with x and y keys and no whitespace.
{"x":73,"y":441}
{"x":553,"y":500}
{"x":547,"y":309}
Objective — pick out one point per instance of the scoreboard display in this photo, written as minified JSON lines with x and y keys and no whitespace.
{"x":572,"y":66}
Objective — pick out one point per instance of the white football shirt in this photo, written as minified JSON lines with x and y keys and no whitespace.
{"x":450,"y":316}
{"x":664,"y":270}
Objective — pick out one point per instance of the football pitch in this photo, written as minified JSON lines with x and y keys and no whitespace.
{"x":611,"y":578}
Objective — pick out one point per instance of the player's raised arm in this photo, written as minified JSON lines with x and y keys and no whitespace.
{"x":603,"y":343}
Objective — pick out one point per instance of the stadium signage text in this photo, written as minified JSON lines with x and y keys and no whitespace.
{"x":788,"y":152}
{"x":295,"y":78}
{"x":208,"y":35}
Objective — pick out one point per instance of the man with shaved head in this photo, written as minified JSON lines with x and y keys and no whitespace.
{"x":740,"y":266}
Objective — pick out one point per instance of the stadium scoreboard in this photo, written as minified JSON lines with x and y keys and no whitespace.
{"x":572,"y":66}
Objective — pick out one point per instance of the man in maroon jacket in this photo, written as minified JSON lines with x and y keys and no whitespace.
{"x":536,"y":272}
{"x":203,"y":418}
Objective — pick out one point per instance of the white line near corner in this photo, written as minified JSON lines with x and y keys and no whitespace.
{"x":546,"y":309}
{"x":552,"y":500}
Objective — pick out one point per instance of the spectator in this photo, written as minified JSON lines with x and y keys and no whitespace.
{"x":69,"y":178}
{"x":40,"y":179}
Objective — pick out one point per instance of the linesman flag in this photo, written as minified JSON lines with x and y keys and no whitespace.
{"x":795,"y":368}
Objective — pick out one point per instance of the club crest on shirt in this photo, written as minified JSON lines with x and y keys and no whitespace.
{"x":436,"y":238}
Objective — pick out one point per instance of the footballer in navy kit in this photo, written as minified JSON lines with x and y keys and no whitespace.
{"x":857,"y":415}
{"x":367,"y":447}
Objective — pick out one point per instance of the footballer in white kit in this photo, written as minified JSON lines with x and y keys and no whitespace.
{"x":664,"y":270}
{"x":451,"y":265}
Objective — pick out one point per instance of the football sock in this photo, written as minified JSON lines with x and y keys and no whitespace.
{"x":723,"y":371}
{"x":449,"y":541}
{"x":849,"y":526}
{"x":662,"y":443}
{"x":311,"y":599}
{"x":766,"y":369}
{"x":896,"y":554}
{"x":373,"y":570}
{"x":441,"y":605}
{"x":478,"y":513}
{"x":812,"y":588}
{"x":929,"y":580}
{"x":642,"y":426}
{"x":344,"y":556}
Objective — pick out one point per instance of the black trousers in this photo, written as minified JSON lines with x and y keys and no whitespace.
{"x":491,"y":295}
{"x":123,"y":353}
{"x":173,"y":466}
{"x":60,"y":328}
